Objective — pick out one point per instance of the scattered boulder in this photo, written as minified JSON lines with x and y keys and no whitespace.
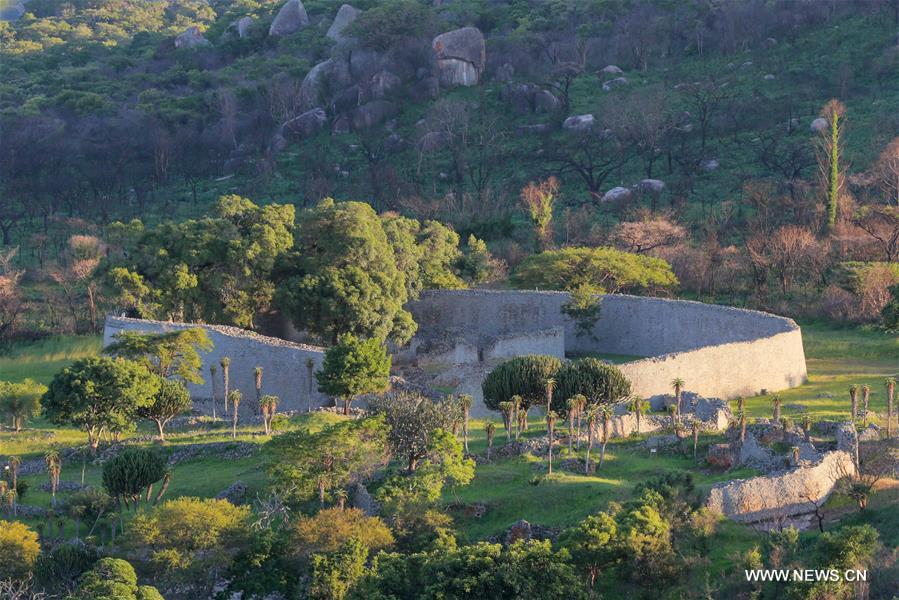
{"x":769,"y":42}
{"x":579,"y":122}
{"x":243,"y":26}
{"x":546,"y":102}
{"x":425,"y":89}
{"x":236,"y":493}
{"x":847,"y":438}
{"x":611,"y":70}
{"x":768,"y":77}
{"x":64,"y":486}
{"x":576,"y":465}
{"x":461,"y":56}
{"x":614,"y":83}
{"x":519,"y":531}
{"x":291,"y":18}
{"x":363,"y":500}
{"x":191,"y":38}
{"x":871,"y":434}
{"x":330,"y":74}
{"x":818,"y":125}
{"x":348,"y":99}
{"x":615,"y":194}
{"x":520,"y":96}
{"x":383,"y":83}
{"x":746,"y":64}
{"x":372,"y":113}
{"x":475,"y":510}
{"x":654,"y":186}
{"x":346,"y":14}
{"x":752,"y":454}
{"x":709,"y":164}
{"x":307,"y":124}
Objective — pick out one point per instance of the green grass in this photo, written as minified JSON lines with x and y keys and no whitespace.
{"x":42,"y":359}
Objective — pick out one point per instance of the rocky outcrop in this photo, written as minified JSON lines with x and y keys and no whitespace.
{"x":191,"y":38}
{"x":372,"y":113}
{"x":291,"y":18}
{"x":782,"y":495}
{"x":307,"y":124}
{"x":611,"y":84}
{"x":526,"y":98}
{"x":461,"y":56}
{"x":236,"y":493}
{"x":579,"y":122}
{"x":243,"y":26}
{"x":616,"y":194}
{"x":653,"y":186}
{"x":611,"y":70}
{"x":363,"y":500}
{"x":819,"y":125}
{"x":346,"y":14}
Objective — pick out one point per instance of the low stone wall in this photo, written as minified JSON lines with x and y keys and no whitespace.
{"x":286,"y":373}
{"x":782,"y":495}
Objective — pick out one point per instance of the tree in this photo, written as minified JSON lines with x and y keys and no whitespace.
{"x":131,"y":474}
{"x":21,"y":401}
{"x":426,"y":253}
{"x":169,"y":354}
{"x":331,"y":528}
{"x":354,"y":366}
{"x":592,"y":544}
{"x":678,"y":384}
{"x":605,"y":417}
{"x":887,"y":171}
{"x":54,"y":467}
{"x":189,"y":540}
{"x":647,"y":234}
{"x":100,"y":394}
{"x":412,"y":421}
{"x":342,"y":276}
{"x":853,"y":400}
{"x":465,"y":402}
{"x":523,"y":376}
{"x":213,"y":381}
{"x":507,"y":410}
{"x":776,"y":402}
{"x":226,"y":380}
{"x":490,"y":429}
{"x":866,"y":397}
{"x":604,"y":270}
{"x":600,"y":382}
{"x":890,"y":384}
{"x":537,"y":199}
{"x":308,"y":464}
{"x":172,"y":400}
{"x":890,"y":312}
{"x":333,"y":574}
{"x":257,"y":379}
{"x":268,"y":405}
{"x":20,"y":548}
{"x":592,"y":414}
{"x":829,"y":158}
{"x":637,"y":405}
{"x":114,"y":578}
{"x":550,"y":430}
{"x":571,"y":406}
{"x":234,"y":397}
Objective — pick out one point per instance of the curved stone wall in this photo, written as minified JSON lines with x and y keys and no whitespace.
{"x":285,"y":371}
{"x":719,"y":351}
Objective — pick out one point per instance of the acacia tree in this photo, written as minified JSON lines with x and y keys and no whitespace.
{"x":100,"y":394}
{"x":172,"y":400}
{"x":308,"y":464}
{"x":354,"y":366}
{"x":21,"y":401}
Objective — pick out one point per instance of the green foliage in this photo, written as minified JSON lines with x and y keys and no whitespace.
{"x":114,"y":579}
{"x":216,"y":269}
{"x":19,"y":547}
{"x":305,"y":463}
{"x":412,"y":421}
{"x":172,"y":400}
{"x":63,"y":565}
{"x":593,"y":544}
{"x":21,"y":401}
{"x":330,"y":528}
{"x":583,"y":307}
{"x":100,"y":394}
{"x":388,"y":23}
{"x":477,"y":265}
{"x":890,"y":313}
{"x":169,"y":354}
{"x":189,"y":539}
{"x":131,"y":472}
{"x":523,"y":376}
{"x":343,"y":276}
{"x":334,"y":573}
{"x":600,"y":269}
{"x":600,"y":382}
{"x":352,"y":367}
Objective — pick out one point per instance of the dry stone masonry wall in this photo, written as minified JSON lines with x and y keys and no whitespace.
{"x":286,"y":373}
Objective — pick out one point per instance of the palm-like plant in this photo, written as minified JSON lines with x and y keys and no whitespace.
{"x":517,"y":414}
{"x":636,"y":405}
{"x":465,"y":401}
{"x":310,"y":367}
{"x":890,"y":384}
{"x":807,"y":427}
{"x":853,"y":399}
{"x":785,"y":427}
{"x":866,"y":396}
{"x":166,"y":480}
{"x":550,"y":384}
{"x":591,"y":416}
{"x":14,"y":463}
{"x":226,"y":380}
{"x":776,"y":402}
{"x":268,"y":405}
{"x":678,"y":384}
{"x":572,"y":406}
{"x":234,"y":397}
{"x":551,"y":417}
{"x":605,"y":415}
{"x":54,"y":467}
{"x":506,"y":409}
{"x":257,"y":375}
{"x":490,"y":428}
{"x":741,"y":415}
{"x":212,"y":373}
{"x":696,"y":423}
{"x":581,"y":407}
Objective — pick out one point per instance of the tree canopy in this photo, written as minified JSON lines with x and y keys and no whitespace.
{"x":353,"y":367}
{"x":600,"y":382}
{"x":523,"y":376}
{"x":20,"y":401}
{"x":169,"y":354}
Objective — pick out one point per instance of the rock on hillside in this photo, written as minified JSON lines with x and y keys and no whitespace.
{"x":461,"y":56}
{"x":346,"y":14}
{"x":191,"y":38}
{"x":291,"y":18}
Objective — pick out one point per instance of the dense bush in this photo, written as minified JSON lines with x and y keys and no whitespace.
{"x":598,"y":381}
{"x":524,"y":376}
{"x":131,"y":473}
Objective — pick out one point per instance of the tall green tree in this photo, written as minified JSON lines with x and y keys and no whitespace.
{"x":169,"y":354}
{"x":352,"y":367}
{"x":600,"y":382}
{"x":100,"y":394}
{"x":20,"y":401}
{"x":171,"y":400}
{"x":342,"y":277}
{"x":523,"y":376}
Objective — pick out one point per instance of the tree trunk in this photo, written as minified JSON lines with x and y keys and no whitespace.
{"x":346,"y":405}
{"x":161,"y":432}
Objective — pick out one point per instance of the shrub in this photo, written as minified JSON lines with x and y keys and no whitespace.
{"x":389,"y":23}
{"x":19,"y":548}
{"x":330,"y":528}
{"x":131,"y":472}
{"x":524,"y":376}
{"x":598,"y":381}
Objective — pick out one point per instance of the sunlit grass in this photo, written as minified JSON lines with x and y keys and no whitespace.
{"x":42,"y":359}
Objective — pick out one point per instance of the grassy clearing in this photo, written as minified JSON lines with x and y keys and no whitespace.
{"x":41,"y":360}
